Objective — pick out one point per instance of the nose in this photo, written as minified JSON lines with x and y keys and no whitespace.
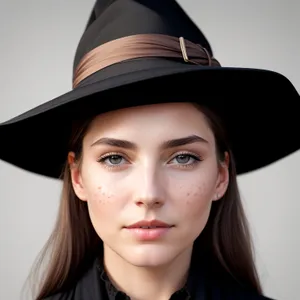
{"x":149,"y":189}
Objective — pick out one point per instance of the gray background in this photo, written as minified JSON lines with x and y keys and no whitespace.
{"x":37,"y":43}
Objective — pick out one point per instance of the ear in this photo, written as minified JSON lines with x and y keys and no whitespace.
{"x":76,"y":177}
{"x":223,"y":178}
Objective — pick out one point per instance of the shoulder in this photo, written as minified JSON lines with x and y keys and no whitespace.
{"x":236,"y":291}
{"x":258,"y":297}
{"x":87,"y":286}
{"x":61,"y":296}
{"x":226,"y":287}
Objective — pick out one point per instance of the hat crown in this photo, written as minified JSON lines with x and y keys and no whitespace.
{"x":113,"y":19}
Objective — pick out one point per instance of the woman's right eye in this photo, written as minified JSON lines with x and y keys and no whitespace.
{"x":112,"y":160}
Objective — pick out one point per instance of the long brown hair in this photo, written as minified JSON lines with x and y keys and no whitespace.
{"x":74,"y":244}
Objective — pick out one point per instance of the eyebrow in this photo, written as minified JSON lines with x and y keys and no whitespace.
{"x":167,"y":144}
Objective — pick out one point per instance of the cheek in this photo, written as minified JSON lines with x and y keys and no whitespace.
{"x":101,"y":189}
{"x":194,"y":193}
{"x":107,"y":196}
{"x":103,"y":195}
{"x":104,"y":205}
{"x":195,"y":199}
{"x":103,"y":199}
{"x":197,"y":191}
{"x":195,"y":206}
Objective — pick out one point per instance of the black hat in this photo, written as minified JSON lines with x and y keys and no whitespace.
{"x":136,"y":52}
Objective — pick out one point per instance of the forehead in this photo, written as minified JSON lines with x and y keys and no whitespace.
{"x":169,"y":120}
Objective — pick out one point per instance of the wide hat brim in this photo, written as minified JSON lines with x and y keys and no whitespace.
{"x":259,"y":109}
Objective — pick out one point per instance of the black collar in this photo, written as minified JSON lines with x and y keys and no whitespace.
{"x":114,"y":294}
{"x":203,"y":283}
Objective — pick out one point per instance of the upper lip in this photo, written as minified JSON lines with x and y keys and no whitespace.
{"x":152,"y":223}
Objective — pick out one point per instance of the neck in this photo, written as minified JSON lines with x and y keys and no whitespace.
{"x":145,"y":283}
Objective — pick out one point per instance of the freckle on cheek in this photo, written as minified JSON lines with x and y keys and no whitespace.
{"x":102,"y":196}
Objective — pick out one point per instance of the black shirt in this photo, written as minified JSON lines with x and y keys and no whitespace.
{"x":203,"y":283}
{"x":112,"y":293}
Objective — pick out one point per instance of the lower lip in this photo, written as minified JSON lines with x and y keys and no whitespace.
{"x":150,"y":234}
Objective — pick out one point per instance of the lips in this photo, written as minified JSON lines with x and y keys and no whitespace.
{"x":153,"y":224}
{"x":150,"y":227}
{"x":145,"y":230}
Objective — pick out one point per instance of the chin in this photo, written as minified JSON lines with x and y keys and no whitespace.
{"x":150,"y":255}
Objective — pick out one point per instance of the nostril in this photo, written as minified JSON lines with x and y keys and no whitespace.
{"x":148,"y":203}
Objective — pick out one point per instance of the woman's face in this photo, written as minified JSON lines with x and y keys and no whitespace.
{"x":149,"y":163}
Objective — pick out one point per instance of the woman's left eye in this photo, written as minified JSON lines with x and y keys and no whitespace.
{"x":185,"y":159}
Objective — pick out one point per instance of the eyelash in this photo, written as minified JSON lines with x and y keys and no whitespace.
{"x":103,"y":158}
{"x":195,"y":157}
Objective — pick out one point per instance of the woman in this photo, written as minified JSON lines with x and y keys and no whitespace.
{"x":150,"y":141}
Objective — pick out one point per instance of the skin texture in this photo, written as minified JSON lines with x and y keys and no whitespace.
{"x":149,"y":181}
